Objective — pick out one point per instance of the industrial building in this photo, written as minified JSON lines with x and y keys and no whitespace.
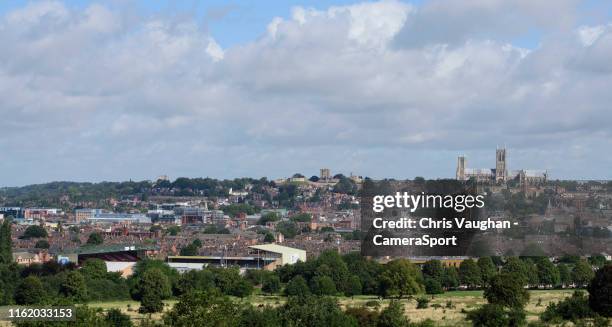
{"x":265,"y":256}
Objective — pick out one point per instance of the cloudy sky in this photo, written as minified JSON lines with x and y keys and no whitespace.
{"x":119,"y":90}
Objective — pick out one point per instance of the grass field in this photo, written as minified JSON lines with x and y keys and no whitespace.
{"x":445,"y":309}
{"x":437,"y":310}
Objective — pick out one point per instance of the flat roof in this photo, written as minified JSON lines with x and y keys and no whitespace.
{"x":275,"y":248}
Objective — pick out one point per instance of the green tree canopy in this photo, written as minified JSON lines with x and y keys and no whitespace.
{"x":469,"y":273}
{"x":204,"y":308}
{"x":94,"y":268}
{"x":95,"y":239}
{"x":152,"y":288}
{"x":30,"y":291}
{"x":322,"y":285}
{"x":271,"y":284}
{"x":548,"y":274}
{"x":74,"y":287}
{"x":433,"y":269}
{"x":6,"y":242}
{"x":393,"y":316}
{"x":487,"y":268}
{"x":582,"y":273}
{"x":297,"y":287}
{"x":34,"y":231}
{"x":600,"y":291}
{"x":506,"y":290}
{"x":400,"y":278}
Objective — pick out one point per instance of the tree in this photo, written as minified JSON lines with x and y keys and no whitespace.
{"x":565,"y":275}
{"x":517,"y":267}
{"x":451,"y":277}
{"x":271,"y":284}
{"x":600,"y":292}
{"x":345,"y":185}
{"x":597,"y":260}
{"x":152,"y":288}
{"x":494,"y":315}
{"x":433,"y":286}
{"x":268,"y":217}
{"x":313,"y":311}
{"x":582,"y":273}
{"x":330,"y":263}
{"x":506,"y":290}
{"x":287,"y":228}
{"x":74,"y":286}
{"x":196,"y":280}
{"x":548,"y":274}
{"x":354,"y":286}
{"x":574,"y":308}
{"x":393,"y":316}
{"x":143,"y":265}
{"x":242,"y":288}
{"x":433,"y":269}
{"x":189,"y":250}
{"x":365,"y":317}
{"x":322,"y":285}
{"x":6,"y":242}
{"x":487,"y":268}
{"x":197,"y":243}
{"x":34,"y":231}
{"x":173,"y":230}
{"x":269,"y":238}
{"x":114,"y":317}
{"x":302,"y":218}
{"x":94,"y":268}
{"x":41,"y":244}
{"x":95,"y":239}
{"x":469,"y":273}
{"x":9,"y":279}
{"x":533,"y":278}
{"x":30,"y":291}
{"x":297,"y":287}
{"x":206,"y":309}
{"x":400,"y":278}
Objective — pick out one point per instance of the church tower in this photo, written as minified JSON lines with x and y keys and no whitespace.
{"x":460,"y":175}
{"x":501,"y":171}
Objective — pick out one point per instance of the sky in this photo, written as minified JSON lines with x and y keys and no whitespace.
{"x":119,"y":90}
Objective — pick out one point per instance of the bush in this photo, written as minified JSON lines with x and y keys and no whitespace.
{"x":495,"y":315}
{"x":422,"y":303}
{"x":271,"y":284}
{"x":364,"y":316}
{"x":573,"y":308}
{"x":600,"y":290}
{"x":393,"y":315}
{"x":117,"y":319}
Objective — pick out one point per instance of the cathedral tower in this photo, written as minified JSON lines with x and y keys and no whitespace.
{"x":460,"y":175}
{"x":501,"y":170}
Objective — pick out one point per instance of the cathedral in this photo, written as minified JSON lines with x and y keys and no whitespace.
{"x":500,"y":174}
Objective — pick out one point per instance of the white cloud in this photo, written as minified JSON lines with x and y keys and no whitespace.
{"x":589,"y":34}
{"x":382,"y":83}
